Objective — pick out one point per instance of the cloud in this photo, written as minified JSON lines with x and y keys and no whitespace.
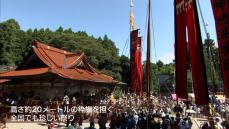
{"x":167,"y":57}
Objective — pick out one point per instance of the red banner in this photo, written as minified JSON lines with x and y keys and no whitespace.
{"x":221,"y":14}
{"x":136,"y":66}
{"x":180,"y":54}
{"x":139,"y":65}
{"x":133,"y":39}
{"x":187,"y":23}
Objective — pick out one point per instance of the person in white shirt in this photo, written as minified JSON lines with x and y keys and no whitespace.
{"x":136,"y":117}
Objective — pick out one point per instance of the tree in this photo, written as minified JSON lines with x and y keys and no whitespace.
{"x":16,"y":43}
{"x":159,"y":65}
{"x":11,"y":46}
{"x":60,"y":30}
{"x":125,"y":65}
{"x":212,"y":65}
{"x":154,"y":72}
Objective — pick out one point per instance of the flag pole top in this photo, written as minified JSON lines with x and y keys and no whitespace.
{"x":131,"y":3}
{"x":132,"y":23}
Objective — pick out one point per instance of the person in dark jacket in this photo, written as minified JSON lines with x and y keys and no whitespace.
{"x":102,"y":121}
{"x":131,"y":122}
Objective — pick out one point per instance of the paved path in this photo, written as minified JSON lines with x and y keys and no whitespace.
{"x":195,"y":124}
{"x":199,"y":122}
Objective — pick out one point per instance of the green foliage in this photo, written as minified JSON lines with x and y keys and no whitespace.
{"x":153,"y":71}
{"x":211,"y":56}
{"x":159,"y":68}
{"x":101,"y":53}
{"x":159,"y":65}
{"x":117,"y":92}
{"x":11,"y":45}
{"x":125,"y":65}
{"x":211,"y":59}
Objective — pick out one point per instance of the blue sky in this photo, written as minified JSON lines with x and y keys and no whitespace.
{"x":100,"y":17}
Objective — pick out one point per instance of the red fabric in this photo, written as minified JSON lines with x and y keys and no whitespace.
{"x":136,"y":66}
{"x":139,"y":66}
{"x":191,"y":21}
{"x":196,"y":56}
{"x":181,"y":54}
{"x":133,"y":36}
{"x":221,"y":14}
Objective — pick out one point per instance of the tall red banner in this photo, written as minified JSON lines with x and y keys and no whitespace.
{"x":138,"y":60}
{"x":187,"y":23}
{"x":136,"y":66}
{"x":221,"y":14}
{"x":180,"y":53}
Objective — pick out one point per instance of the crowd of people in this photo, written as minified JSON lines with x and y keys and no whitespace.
{"x":131,"y":111}
{"x":134,"y":112}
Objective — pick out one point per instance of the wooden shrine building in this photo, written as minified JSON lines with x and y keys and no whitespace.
{"x":49,"y":72}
